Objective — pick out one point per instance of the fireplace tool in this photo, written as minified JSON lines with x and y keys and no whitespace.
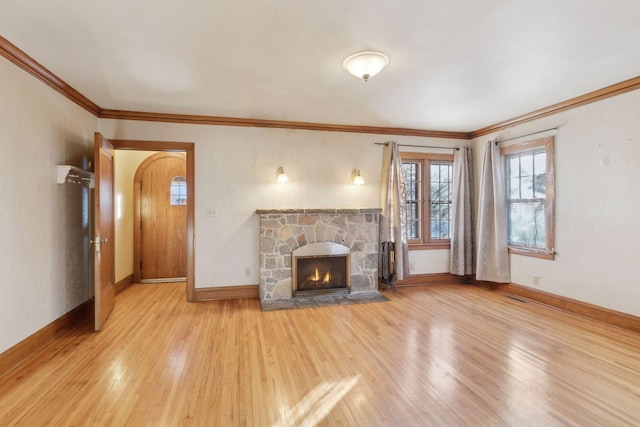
{"x":388,"y":266}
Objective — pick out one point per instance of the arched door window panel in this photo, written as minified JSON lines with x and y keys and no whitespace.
{"x":178,"y":191}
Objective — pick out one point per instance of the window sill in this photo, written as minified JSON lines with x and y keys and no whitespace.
{"x":428,"y":246}
{"x":536,"y":253}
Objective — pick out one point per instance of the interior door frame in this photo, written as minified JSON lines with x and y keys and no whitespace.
{"x":189,"y":149}
{"x":137,"y":219}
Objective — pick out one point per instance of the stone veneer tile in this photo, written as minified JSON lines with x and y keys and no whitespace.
{"x":284,"y":230}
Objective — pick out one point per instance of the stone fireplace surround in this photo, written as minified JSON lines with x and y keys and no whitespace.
{"x":283,"y":230}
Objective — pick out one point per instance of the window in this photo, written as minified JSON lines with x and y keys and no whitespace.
{"x":428,"y":182}
{"x":530,"y":197}
{"x":178,"y":191}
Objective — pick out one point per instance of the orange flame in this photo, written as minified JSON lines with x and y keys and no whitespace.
{"x":327,"y":278}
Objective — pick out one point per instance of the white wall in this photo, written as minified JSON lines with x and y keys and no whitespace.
{"x":126,"y":164}
{"x":235,"y":175}
{"x":597,"y":161}
{"x":44,"y":252}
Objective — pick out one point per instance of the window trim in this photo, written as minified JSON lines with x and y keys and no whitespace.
{"x":549,"y":203}
{"x":425,"y":159}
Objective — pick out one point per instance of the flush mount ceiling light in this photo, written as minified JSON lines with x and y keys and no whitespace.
{"x":281,"y":177}
{"x":365,"y":64}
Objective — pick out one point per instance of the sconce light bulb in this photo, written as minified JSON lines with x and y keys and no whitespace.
{"x":356,"y":178}
{"x":281,"y":177}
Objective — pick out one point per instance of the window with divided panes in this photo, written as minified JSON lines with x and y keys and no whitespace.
{"x":530,"y":197}
{"x":428,"y":193}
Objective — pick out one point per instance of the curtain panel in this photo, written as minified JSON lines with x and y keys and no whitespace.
{"x":493,"y":251}
{"x":462,"y":212}
{"x":393,"y":222}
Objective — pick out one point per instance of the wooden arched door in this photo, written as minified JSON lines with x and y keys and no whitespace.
{"x":160,"y":212}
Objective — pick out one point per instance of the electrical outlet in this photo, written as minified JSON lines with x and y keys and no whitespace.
{"x":247,"y":272}
{"x":536,"y":280}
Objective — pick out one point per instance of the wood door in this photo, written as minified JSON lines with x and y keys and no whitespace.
{"x":105,"y":294}
{"x":162,"y":217}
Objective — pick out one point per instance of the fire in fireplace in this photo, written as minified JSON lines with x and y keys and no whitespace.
{"x":321,"y":272}
{"x":320,"y":268}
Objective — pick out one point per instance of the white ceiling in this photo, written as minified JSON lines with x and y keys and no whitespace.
{"x":455,"y":65}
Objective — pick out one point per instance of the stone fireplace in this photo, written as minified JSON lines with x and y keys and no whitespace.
{"x":347,"y":237}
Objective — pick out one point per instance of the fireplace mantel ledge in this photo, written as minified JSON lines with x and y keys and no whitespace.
{"x":347,"y":211}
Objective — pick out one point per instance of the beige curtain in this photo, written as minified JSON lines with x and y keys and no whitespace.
{"x":393,"y":224}
{"x":462,"y":221}
{"x":493,"y":256}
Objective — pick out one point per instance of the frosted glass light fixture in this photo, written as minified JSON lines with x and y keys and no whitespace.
{"x":366,"y":64}
{"x":281,"y":177}
{"x":356,"y":177}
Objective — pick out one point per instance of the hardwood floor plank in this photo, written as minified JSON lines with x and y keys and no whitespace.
{"x":441,"y":355}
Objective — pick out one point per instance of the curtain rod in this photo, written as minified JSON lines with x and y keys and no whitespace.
{"x":529,"y":134}
{"x":420,"y":146}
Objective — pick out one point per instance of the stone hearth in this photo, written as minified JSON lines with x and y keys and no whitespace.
{"x":283,"y":230}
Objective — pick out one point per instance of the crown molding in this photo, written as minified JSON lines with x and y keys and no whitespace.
{"x":33,"y":67}
{"x":598,"y":95}
{"x":280,"y":124}
{"x":18,"y":57}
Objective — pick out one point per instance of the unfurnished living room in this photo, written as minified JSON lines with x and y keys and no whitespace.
{"x":339,"y":213}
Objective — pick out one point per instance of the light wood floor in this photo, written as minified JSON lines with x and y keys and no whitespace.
{"x":438,"y":355}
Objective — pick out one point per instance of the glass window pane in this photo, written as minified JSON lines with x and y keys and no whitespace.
{"x":435,"y":172}
{"x":444,"y":173}
{"x":409,"y":191}
{"x":444,"y":229}
{"x":526,"y":187}
{"x":526,"y":165}
{"x":434,"y":191}
{"x":514,"y":188}
{"x":443,"y":193}
{"x":435,"y":229}
{"x":540,"y":186}
{"x":540,"y":225}
{"x":178,"y":191}
{"x":444,"y":211}
{"x":412,"y":231}
{"x":540,"y":163}
{"x":410,"y":172}
{"x":527,"y":224}
{"x":435,"y":211}
{"x":514,"y":166}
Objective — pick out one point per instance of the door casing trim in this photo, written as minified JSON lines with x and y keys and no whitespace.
{"x":189,"y":149}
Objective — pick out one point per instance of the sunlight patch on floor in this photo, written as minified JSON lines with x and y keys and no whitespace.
{"x":317,"y":404}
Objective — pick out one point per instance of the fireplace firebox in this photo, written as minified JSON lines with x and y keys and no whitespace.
{"x":320,"y":268}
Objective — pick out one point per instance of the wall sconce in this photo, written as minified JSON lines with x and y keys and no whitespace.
{"x":281,"y":177}
{"x":356,"y":178}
